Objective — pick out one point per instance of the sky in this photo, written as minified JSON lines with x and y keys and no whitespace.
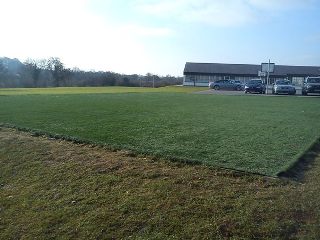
{"x":160,"y":36}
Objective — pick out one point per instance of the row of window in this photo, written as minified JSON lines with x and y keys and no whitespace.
{"x":207,"y":79}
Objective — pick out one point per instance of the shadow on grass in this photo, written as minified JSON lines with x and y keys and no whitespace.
{"x":304,"y":163}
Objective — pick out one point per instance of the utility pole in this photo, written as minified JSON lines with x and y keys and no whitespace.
{"x":153,"y":81}
{"x":268,"y":73}
{"x":267,"y":68}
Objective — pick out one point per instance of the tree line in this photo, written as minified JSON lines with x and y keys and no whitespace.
{"x":53,"y":73}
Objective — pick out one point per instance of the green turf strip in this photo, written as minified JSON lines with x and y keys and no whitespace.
{"x":83,"y":90}
{"x":250,"y":133}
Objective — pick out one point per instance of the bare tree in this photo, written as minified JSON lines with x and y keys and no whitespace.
{"x":33,"y":66}
{"x":67,"y":73}
{"x":56,"y":67}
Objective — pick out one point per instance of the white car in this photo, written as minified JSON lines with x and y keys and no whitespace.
{"x":283,"y":86}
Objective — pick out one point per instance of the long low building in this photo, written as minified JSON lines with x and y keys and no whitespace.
{"x":200,"y":74}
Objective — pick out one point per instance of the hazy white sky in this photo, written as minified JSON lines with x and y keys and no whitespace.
{"x":159,"y":36}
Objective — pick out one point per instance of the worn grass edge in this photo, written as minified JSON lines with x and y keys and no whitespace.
{"x":129,"y":151}
{"x":154,"y":156}
{"x":297,"y":168}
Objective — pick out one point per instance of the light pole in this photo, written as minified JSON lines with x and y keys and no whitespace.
{"x":267,"y":68}
{"x":268,"y":73}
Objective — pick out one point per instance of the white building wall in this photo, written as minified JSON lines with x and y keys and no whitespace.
{"x":204,"y":80}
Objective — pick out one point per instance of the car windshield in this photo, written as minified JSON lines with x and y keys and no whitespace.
{"x":255,"y":82}
{"x":282,"y":82}
{"x":314,"y":80}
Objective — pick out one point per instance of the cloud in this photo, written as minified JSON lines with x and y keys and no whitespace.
{"x":135,"y":36}
{"x":216,"y":12}
{"x":138,"y":30}
{"x":280,"y":5}
{"x":66,"y":29}
{"x":211,"y":12}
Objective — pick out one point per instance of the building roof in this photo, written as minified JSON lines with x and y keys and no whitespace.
{"x":248,"y":69}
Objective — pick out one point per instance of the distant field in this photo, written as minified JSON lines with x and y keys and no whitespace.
{"x":82,"y":90}
{"x":250,"y":133}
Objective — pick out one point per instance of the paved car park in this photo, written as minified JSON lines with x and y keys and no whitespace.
{"x":224,"y":92}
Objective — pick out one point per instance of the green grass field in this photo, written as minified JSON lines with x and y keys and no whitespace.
{"x":53,"y":189}
{"x":252,"y":133}
{"x":86,"y":90}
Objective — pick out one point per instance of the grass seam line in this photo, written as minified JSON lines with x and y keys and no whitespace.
{"x":296,"y":167}
{"x":39,"y":133}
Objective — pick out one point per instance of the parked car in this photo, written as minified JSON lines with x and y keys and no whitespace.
{"x":255,"y":86}
{"x":283,"y":86}
{"x":239,"y":83}
{"x":311,"y":85}
{"x":225,"y":85}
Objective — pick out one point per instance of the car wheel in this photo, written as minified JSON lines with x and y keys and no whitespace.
{"x":304,"y":93}
{"x":216,"y":87}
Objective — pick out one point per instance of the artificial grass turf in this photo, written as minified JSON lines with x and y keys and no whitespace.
{"x":251,"y":133}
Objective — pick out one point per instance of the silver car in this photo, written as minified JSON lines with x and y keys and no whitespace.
{"x":226,"y":85}
{"x":283,"y":87}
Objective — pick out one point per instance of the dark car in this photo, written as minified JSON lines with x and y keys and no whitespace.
{"x":225,"y":85}
{"x":283,"y":86}
{"x":239,"y":83}
{"x":255,"y":86}
{"x":311,"y":85}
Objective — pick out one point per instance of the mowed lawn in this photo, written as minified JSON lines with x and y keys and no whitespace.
{"x":84,"y":90}
{"x":252,"y":133}
{"x":59,"y":190}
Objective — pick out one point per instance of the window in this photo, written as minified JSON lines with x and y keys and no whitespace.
{"x":202,"y":79}
{"x":188,"y":78}
{"x":297,"y":80}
